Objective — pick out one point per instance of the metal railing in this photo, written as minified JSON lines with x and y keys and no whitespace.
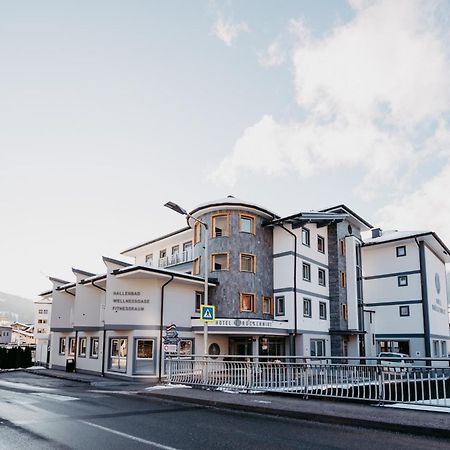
{"x":424,"y":381}
{"x":176,"y":258}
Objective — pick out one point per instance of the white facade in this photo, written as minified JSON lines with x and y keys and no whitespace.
{"x":42,"y":317}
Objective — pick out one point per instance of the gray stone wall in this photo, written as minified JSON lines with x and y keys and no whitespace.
{"x":226,"y":296}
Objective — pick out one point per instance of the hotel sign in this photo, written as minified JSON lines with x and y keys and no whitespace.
{"x":245,"y":323}
{"x":129,"y":301}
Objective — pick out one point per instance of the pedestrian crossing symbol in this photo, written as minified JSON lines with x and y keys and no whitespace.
{"x":207,"y":313}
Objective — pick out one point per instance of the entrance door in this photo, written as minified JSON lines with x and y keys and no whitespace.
{"x":241,"y":346}
{"x":118,"y":354}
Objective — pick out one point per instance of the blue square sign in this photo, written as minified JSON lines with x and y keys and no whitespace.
{"x":207,"y":313}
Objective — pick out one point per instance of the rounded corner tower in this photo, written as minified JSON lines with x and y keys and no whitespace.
{"x":240,"y":251}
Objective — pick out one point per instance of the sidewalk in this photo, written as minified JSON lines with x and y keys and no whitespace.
{"x":338,"y":412}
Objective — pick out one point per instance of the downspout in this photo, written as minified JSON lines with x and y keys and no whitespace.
{"x":161,"y":324}
{"x":76,"y":338}
{"x":295,"y":287}
{"x":424,"y":289}
{"x":104,"y":334}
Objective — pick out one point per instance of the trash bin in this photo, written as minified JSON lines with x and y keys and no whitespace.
{"x":70,"y":365}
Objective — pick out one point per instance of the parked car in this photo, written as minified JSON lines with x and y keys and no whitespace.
{"x":395,"y":362}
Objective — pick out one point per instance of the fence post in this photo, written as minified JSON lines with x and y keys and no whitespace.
{"x":380,"y":385}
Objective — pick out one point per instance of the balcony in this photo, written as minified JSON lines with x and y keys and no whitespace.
{"x":176,"y":258}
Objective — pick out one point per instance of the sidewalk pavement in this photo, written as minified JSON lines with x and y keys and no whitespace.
{"x":414,"y":421}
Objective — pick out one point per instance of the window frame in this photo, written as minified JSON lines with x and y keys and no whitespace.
{"x":279,"y":299}
{"x":227,"y":227}
{"x":197,"y":233}
{"x":177,"y":247}
{"x":137,"y":358}
{"x":199,"y":295}
{"x":319,"y":271}
{"x":253,"y":297}
{"x":253,"y":257}
{"x":253,"y":223}
{"x":344,"y":312}
{"x":80,"y":346}
{"x":270,"y":303}
{"x":211,"y":261}
{"x":343,"y":280}
{"x":148,"y":258}
{"x":307,"y":301}
{"x":91,"y":347}
{"x":320,"y":238}
{"x":342,"y":247}
{"x":398,"y":249}
{"x":306,"y":233}
{"x":70,"y":352}
{"x":196,"y":265}
{"x":399,"y":282}
{"x":62,"y":340}
{"x":304,"y":265}
{"x":163,"y":253}
{"x":402,"y":309}
{"x":313,"y":343}
{"x":324,"y":305}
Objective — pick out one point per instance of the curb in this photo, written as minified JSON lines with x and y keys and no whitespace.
{"x":60,"y":377}
{"x":310,"y":417}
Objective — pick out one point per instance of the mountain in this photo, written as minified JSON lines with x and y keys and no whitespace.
{"x":13,"y":307}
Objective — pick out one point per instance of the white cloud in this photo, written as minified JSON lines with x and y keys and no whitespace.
{"x":273,"y":56}
{"x":228,"y":31}
{"x":368,"y":88}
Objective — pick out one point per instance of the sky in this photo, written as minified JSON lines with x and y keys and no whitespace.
{"x":109,"y":109}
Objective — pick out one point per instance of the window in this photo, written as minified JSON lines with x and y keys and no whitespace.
{"x":149,"y":259}
{"x":343,"y":280}
{"x":82,"y":346}
{"x":162,"y":253}
{"x":72,"y":346}
{"x":144,"y":349}
{"x":306,"y":272}
{"x":196,"y":266}
{"x":94,"y":347}
{"x":185,"y":347}
{"x":197,"y":232}
{"x":402,"y":280}
{"x":306,"y":307}
{"x":219,"y":262}
{"x":219,"y":225}
{"x":436,"y":349}
{"x":342,"y":247}
{"x":322,"y":280}
{"x":320,"y":244}
{"x":187,"y":247}
{"x":305,"y":237}
{"x":404,"y":311}
{"x":62,"y":346}
{"x":267,"y":307}
{"x":247,"y":302}
{"x":246,"y":223}
{"x":344,"y":311}
{"x":400,"y":251}
{"x":322,"y":310}
{"x":317,"y":347}
{"x":118,"y":354}
{"x":444,"y":349}
{"x":246,"y":262}
{"x":280,"y":306}
{"x":198,"y":301}
{"x":175,"y":249}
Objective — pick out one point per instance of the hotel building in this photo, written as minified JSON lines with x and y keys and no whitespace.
{"x":316,"y":283}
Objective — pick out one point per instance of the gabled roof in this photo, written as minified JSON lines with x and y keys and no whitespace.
{"x":344,"y":208}
{"x":57,"y":280}
{"x":93,"y":279}
{"x":322,"y":219}
{"x":82,"y":272}
{"x":115,"y":261}
{"x":45,"y":293}
{"x":173,"y":233}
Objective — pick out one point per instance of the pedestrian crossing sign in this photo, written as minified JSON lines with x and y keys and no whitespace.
{"x":207,"y":313}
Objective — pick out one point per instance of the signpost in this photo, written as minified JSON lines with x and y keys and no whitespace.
{"x":171,"y":339}
{"x":207,"y":313}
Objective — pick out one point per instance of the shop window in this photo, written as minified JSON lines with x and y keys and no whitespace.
{"x":322,"y":280}
{"x":267,"y":305}
{"x":94,"y":347}
{"x":306,"y":237}
{"x":196,"y":266}
{"x":306,"y":271}
{"x":118,"y":354}
{"x":247,"y":224}
{"x":402,"y":280}
{"x":219,"y":225}
{"x":322,"y":310}
{"x":197,"y":232}
{"x":82,"y":347}
{"x":317,"y":347}
{"x":247,"y":303}
{"x":144,"y":349}
{"x":320,"y":244}
{"x":246,"y":262}
{"x":307,"y":311}
{"x":219,"y":262}
{"x":198,"y":301}
{"x":400,"y":251}
{"x":72,"y":346}
{"x":62,"y":346}
{"x":404,"y":311}
{"x":280,"y":306}
{"x":185,"y":347}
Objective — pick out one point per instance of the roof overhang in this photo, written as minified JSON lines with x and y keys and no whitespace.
{"x":344,"y":208}
{"x":321,"y":219}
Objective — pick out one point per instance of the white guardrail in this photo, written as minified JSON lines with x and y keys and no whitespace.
{"x":424,"y":381}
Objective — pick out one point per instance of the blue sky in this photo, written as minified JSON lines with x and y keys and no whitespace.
{"x":108,"y":109}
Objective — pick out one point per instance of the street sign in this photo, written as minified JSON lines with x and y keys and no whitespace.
{"x":207,"y":313}
{"x":170,"y":348}
{"x":171,"y":337}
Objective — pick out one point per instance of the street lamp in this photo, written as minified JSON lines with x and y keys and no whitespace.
{"x":178,"y":209}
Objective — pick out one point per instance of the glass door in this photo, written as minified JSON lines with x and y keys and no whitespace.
{"x":118,"y":354}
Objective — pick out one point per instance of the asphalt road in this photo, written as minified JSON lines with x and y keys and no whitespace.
{"x":45,"y":413}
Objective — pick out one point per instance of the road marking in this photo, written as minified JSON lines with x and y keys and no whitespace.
{"x":60,"y":398}
{"x":129,"y":436}
{"x":23,"y":386}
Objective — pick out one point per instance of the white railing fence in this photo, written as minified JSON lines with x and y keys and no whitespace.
{"x":176,"y":258}
{"x":424,"y":381}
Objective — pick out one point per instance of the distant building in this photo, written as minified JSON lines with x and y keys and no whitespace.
{"x":22,"y":334}
{"x":5,"y":334}
{"x":42,"y":314}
